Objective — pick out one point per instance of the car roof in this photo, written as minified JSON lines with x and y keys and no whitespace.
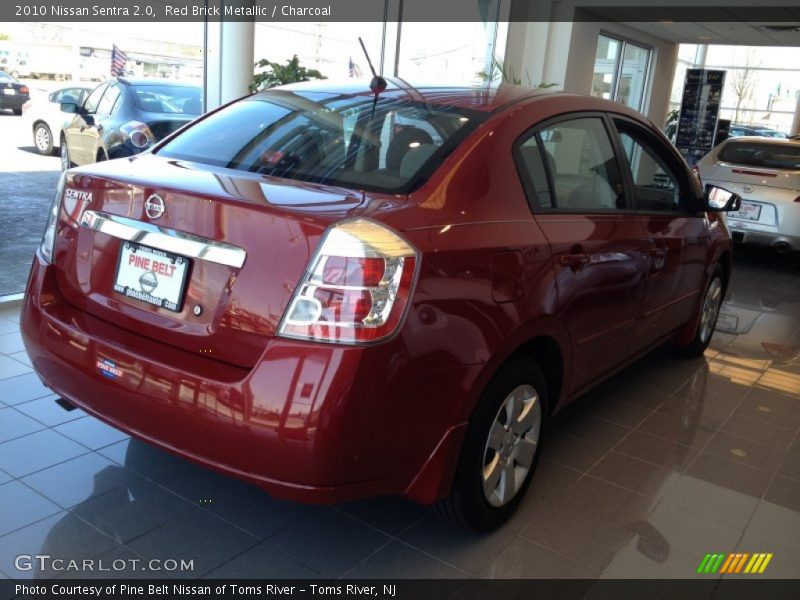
{"x":485,"y":98}
{"x":135,"y":81}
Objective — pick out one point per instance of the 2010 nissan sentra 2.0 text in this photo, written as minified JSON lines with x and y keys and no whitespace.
{"x":362,"y":294}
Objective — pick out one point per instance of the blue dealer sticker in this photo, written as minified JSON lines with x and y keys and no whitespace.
{"x":108,"y":368}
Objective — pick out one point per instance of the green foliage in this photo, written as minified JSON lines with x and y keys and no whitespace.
{"x":507,"y":75}
{"x":277,"y":74}
{"x":4,"y":36}
{"x":671,"y":124}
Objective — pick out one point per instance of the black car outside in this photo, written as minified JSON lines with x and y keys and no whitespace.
{"x":122,"y":117}
{"x":13,"y":94}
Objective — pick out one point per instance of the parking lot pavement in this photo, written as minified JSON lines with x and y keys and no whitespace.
{"x":27,"y":181}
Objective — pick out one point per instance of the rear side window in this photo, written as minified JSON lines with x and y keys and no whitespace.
{"x":170,"y":99}
{"x":762,"y":154}
{"x":531,"y":164}
{"x":583,"y":166}
{"x":392,"y":145}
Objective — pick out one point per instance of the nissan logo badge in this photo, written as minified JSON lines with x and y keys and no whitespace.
{"x":154,"y":206}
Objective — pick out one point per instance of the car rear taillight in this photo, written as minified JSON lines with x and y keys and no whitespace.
{"x":138,"y":133}
{"x":24,"y":90}
{"x":49,"y":236}
{"x":357,"y":288}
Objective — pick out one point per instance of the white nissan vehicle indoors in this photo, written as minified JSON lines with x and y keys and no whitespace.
{"x":765,"y":172}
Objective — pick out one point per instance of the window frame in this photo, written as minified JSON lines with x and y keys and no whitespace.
{"x":527,"y":184}
{"x":649,"y":141}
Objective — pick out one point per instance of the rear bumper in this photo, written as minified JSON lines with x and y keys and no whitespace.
{"x":763,"y":235}
{"x":13,"y":101}
{"x":310,"y":422}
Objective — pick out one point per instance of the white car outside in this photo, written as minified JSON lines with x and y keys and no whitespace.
{"x":765,"y":172}
{"x":47,"y":119}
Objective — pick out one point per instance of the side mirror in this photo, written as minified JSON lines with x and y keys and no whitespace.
{"x":721,"y":200}
{"x":69,"y":107}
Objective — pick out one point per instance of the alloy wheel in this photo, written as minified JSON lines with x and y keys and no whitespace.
{"x":42,"y":139}
{"x":511,"y":445}
{"x":711,"y":305}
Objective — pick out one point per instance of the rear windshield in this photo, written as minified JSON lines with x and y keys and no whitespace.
{"x":170,"y":99}
{"x":392,"y":145}
{"x":762,"y":154}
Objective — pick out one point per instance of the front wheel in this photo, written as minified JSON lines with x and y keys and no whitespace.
{"x":709,"y":313}
{"x":501,"y":449}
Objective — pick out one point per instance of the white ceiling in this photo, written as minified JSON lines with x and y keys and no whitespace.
{"x":711,"y":26}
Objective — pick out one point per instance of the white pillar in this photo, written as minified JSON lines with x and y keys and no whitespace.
{"x":796,"y":120}
{"x":700,"y":56}
{"x":228,"y":59}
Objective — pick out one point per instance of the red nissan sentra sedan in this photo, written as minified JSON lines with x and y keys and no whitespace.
{"x":335,"y":294}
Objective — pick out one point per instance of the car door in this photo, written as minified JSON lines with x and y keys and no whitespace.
{"x":571,"y":173}
{"x":74,"y":132}
{"x":664,"y":200}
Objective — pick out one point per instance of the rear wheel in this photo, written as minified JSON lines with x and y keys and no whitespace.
{"x":66,"y":163}
{"x":43,"y":139}
{"x":709,"y":313}
{"x":500,"y":450}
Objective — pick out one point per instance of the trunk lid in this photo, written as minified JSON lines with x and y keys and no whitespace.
{"x":274,"y":224}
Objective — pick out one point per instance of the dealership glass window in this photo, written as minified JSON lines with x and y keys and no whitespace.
{"x":468,"y":51}
{"x":620,"y":71}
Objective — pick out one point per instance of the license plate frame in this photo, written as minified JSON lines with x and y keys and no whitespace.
{"x":748,"y":211}
{"x":10,"y":91}
{"x":140,"y":280}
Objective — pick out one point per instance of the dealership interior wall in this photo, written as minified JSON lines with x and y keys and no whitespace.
{"x":558,"y":46}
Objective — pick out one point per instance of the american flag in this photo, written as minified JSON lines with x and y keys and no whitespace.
{"x":118,"y":60}
{"x":353,"y":69}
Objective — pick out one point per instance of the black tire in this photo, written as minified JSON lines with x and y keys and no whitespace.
{"x":18,"y":112}
{"x":467,"y":505}
{"x":66,"y":163}
{"x":43,"y":139}
{"x":701,"y":340}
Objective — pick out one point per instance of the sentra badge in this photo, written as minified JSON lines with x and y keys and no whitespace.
{"x":79,"y":195}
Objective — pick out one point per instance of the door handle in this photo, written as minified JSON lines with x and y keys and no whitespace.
{"x":658,"y":252}
{"x":574,"y":261}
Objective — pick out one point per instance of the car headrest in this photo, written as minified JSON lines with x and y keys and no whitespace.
{"x":415,"y":158}
{"x":406,"y":139}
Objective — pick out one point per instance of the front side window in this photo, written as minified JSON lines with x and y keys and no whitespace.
{"x":655,"y":185}
{"x":108,"y":101}
{"x":583,"y":166}
{"x":391,"y":145}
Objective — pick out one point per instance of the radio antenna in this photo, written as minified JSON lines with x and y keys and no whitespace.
{"x":378,"y":83}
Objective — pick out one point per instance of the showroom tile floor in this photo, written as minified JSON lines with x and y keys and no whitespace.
{"x":666,"y":462}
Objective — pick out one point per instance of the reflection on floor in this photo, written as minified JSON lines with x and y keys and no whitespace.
{"x":642,"y":478}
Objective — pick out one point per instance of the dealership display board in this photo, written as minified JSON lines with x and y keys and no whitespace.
{"x":697,"y":125}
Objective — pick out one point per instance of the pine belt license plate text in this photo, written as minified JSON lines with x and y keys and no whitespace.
{"x":749,"y":211}
{"x":151,"y":275}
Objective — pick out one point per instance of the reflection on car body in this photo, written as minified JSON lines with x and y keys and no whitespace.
{"x":426,"y":276}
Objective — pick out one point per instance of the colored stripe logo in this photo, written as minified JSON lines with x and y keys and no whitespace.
{"x":740,"y":562}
